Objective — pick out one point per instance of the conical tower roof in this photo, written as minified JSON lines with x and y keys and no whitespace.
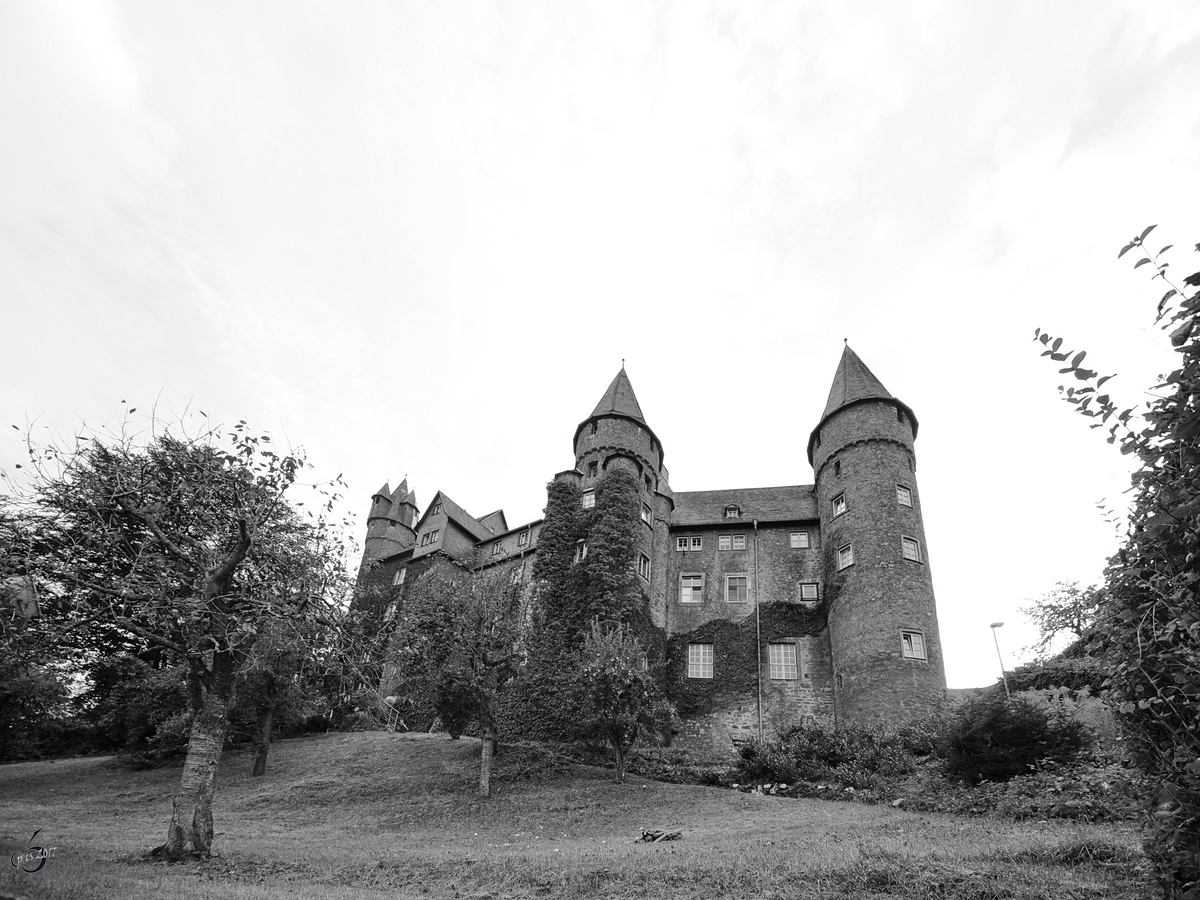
{"x":401,"y":492}
{"x":853,"y":383}
{"x":385,"y":491}
{"x":619,"y":400}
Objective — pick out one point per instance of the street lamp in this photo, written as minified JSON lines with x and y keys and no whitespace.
{"x":1003,"y":674}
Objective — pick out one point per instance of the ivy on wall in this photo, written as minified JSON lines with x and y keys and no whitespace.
{"x":736,"y":655}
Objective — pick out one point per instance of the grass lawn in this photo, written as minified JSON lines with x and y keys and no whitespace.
{"x":369,"y":815}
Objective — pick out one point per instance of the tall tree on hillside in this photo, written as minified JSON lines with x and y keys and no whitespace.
{"x":190,"y":545}
{"x":619,"y":698}
{"x":1149,"y":624}
{"x":458,"y":639}
{"x":1067,"y":609}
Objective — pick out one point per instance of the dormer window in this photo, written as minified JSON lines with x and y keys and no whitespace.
{"x":733,"y":512}
{"x":523,"y":539}
{"x":496,"y":548}
{"x":437,"y":508}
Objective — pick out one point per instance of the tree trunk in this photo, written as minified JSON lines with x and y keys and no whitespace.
{"x":191,"y":831}
{"x":266,"y":724}
{"x":620,"y":762}
{"x":485,"y":763}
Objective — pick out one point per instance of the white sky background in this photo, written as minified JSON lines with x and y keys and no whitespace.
{"x":420,"y":238}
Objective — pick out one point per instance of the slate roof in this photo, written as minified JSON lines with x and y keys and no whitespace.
{"x":619,"y":399}
{"x":401,"y":492}
{"x":789,"y":503}
{"x":385,"y":491}
{"x":472,"y":525}
{"x":852,"y":382}
{"x":494,"y":522}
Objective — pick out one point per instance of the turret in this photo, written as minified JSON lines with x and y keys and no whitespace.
{"x":390,"y":523}
{"x":616,"y":436}
{"x":883,"y":630}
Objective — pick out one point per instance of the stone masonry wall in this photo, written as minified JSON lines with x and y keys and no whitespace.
{"x":865,"y":452}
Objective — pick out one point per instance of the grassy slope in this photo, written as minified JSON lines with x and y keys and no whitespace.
{"x":372,"y":814}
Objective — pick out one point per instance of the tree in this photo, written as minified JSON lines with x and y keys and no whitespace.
{"x":191,"y":547}
{"x":618,"y":696}
{"x":271,"y":681}
{"x":458,"y":639}
{"x":1067,"y":609}
{"x":1149,"y":624}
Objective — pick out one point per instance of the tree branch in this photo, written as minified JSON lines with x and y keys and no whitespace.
{"x":222,"y":573}
{"x":146,"y":520}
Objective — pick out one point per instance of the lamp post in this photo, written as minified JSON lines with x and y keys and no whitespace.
{"x":1003,"y":674}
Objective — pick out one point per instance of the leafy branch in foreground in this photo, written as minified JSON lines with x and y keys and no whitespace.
{"x":1148,"y":627}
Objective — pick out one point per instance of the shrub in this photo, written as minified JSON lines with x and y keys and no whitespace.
{"x":853,"y":755}
{"x":995,"y":738}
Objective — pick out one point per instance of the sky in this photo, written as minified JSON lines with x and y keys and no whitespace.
{"x":420,"y":239}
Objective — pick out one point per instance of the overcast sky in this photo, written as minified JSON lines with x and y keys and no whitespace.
{"x":420,"y":238}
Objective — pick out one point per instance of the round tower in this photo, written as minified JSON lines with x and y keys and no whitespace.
{"x":616,"y":436}
{"x":390,"y":523}
{"x":883,"y":630}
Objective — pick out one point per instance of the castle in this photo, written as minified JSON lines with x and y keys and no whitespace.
{"x":776,"y":602}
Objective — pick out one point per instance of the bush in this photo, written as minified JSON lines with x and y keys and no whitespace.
{"x":995,"y":738}
{"x":853,"y":755}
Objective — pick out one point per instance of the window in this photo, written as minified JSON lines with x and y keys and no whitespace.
{"x":646,"y":514}
{"x":910,"y":548}
{"x":681,"y":544}
{"x":837,"y":468}
{"x":589,"y":499}
{"x":839,"y":504}
{"x":809,"y":591}
{"x":390,"y":612}
{"x":437,"y":508}
{"x":782,"y":659}
{"x":649,"y":485}
{"x":644,"y":566}
{"x":845,"y":556}
{"x":429,"y":537}
{"x":398,"y":578}
{"x":798,"y":540}
{"x":593,"y":469}
{"x":739,"y":542}
{"x":523,"y":539}
{"x":724,"y":542}
{"x":900,"y":415}
{"x":697,"y":542}
{"x":496,"y":549}
{"x":580,"y":551}
{"x":733,"y":512}
{"x":595,"y":427}
{"x":736,"y":588}
{"x":517,"y":573}
{"x":700,"y":660}
{"x":903,"y":495}
{"x":912,"y":645}
{"x":691,"y":588}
